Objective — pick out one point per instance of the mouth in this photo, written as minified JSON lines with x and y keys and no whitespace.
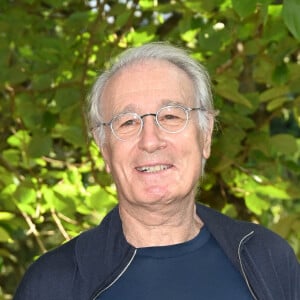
{"x":153,"y":169}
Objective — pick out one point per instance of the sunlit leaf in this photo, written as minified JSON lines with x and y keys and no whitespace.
{"x":20,"y":139}
{"x":273,"y":192}
{"x":4,"y":215}
{"x":12,"y":156}
{"x":147,"y":4}
{"x":4,"y":235}
{"x":99,"y":199}
{"x":25,"y":194}
{"x":256,"y":204}
{"x":140,"y":37}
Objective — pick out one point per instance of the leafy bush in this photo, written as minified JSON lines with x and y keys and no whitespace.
{"x":52,"y":179}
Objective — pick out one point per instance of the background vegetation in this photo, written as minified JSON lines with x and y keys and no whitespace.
{"x":52,"y":181}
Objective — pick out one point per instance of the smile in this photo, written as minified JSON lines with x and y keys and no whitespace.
{"x":153,"y":169}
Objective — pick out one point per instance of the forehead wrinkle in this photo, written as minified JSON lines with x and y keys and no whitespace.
{"x":135,"y":108}
{"x":183,"y":97}
{"x":128,"y":108}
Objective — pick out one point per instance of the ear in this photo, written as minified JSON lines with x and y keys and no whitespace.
{"x":104,"y":151}
{"x":207,"y":136}
{"x":95,"y":133}
{"x":105,"y":154}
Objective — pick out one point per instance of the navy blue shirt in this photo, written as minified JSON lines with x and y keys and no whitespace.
{"x":197,"y":269}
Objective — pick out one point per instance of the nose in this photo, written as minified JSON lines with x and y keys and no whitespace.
{"x":151,"y":137}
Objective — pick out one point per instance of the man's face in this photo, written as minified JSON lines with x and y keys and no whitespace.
{"x":173,"y":160}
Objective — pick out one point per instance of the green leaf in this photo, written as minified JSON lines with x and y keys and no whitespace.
{"x":140,"y":37}
{"x":5,"y":215}
{"x":284,"y":143}
{"x":290,"y":12}
{"x":229,"y":90}
{"x":244,"y":8}
{"x":242,"y":121}
{"x":25,"y":194}
{"x":210,"y":39}
{"x":285,"y":225}
{"x":49,"y":195}
{"x":274,"y":92}
{"x":259,"y":140}
{"x":276,"y":103}
{"x":189,"y":35}
{"x":29,"y":110}
{"x":99,"y":199}
{"x":122,"y":18}
{"x":273,"y":191}
{"x":12,"y":156}
{"x":54,"y":3}
{"x":64,"y":198}
{"x":39,"y":145}
{"x":4,"y":235}
{"x":256,"y":203}
{"x":196,"y":6}
{"x":66,"y":97}
{"x":147,"y":4}
{"x":280,"y":75}
{"x":42,"y":81}
{"x":20,"y":139}
{"x":79,"y":17}
{"x":72,"y":134}
{"x":15,"y":75}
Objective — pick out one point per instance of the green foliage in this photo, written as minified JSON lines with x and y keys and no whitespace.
{"x":52,"y":179}
{"x":291,"y":17}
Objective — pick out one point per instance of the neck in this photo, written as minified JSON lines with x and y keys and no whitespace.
{"x":147,"y":226}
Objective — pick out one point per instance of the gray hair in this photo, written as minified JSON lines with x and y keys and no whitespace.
{"x":160,"y":51}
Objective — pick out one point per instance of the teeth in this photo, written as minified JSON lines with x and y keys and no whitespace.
{"x":152,"y":169}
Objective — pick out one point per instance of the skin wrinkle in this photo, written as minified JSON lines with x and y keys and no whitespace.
{"x":164,"y":225}
{"x":133,"y":107}
{"x":155,"y":208}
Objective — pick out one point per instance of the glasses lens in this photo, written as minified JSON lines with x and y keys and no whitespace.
{"x":172,"y":118}
{"x":126,"y":125}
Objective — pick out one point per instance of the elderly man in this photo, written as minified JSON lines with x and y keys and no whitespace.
{"x":152,"y":117}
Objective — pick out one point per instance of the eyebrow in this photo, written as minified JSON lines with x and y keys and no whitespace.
{"x":171,"y":102}
{"x":133,"y":108}
{"x":127,"y":108}
{"x":165,"y":102}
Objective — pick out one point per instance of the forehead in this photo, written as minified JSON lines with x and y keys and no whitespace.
{"x":147,"y":84}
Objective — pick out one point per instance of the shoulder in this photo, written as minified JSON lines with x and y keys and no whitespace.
{"x":265,"y":254}
{"x":230,"y":232}
{"x":53,"y":275}
{"x":50,"y":271}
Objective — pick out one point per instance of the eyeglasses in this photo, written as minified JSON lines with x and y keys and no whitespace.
{"x":171,"y":119}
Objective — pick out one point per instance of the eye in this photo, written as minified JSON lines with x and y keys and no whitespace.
{"x":172,"y":115}
{"x":128,"y":123}
{"x":169,"y":117}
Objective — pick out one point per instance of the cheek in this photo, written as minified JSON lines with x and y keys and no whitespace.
{"x":107,"y":152}
{"x":116,"y":159}
{"x":193,"y":151}
{"x":190,"y":155}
